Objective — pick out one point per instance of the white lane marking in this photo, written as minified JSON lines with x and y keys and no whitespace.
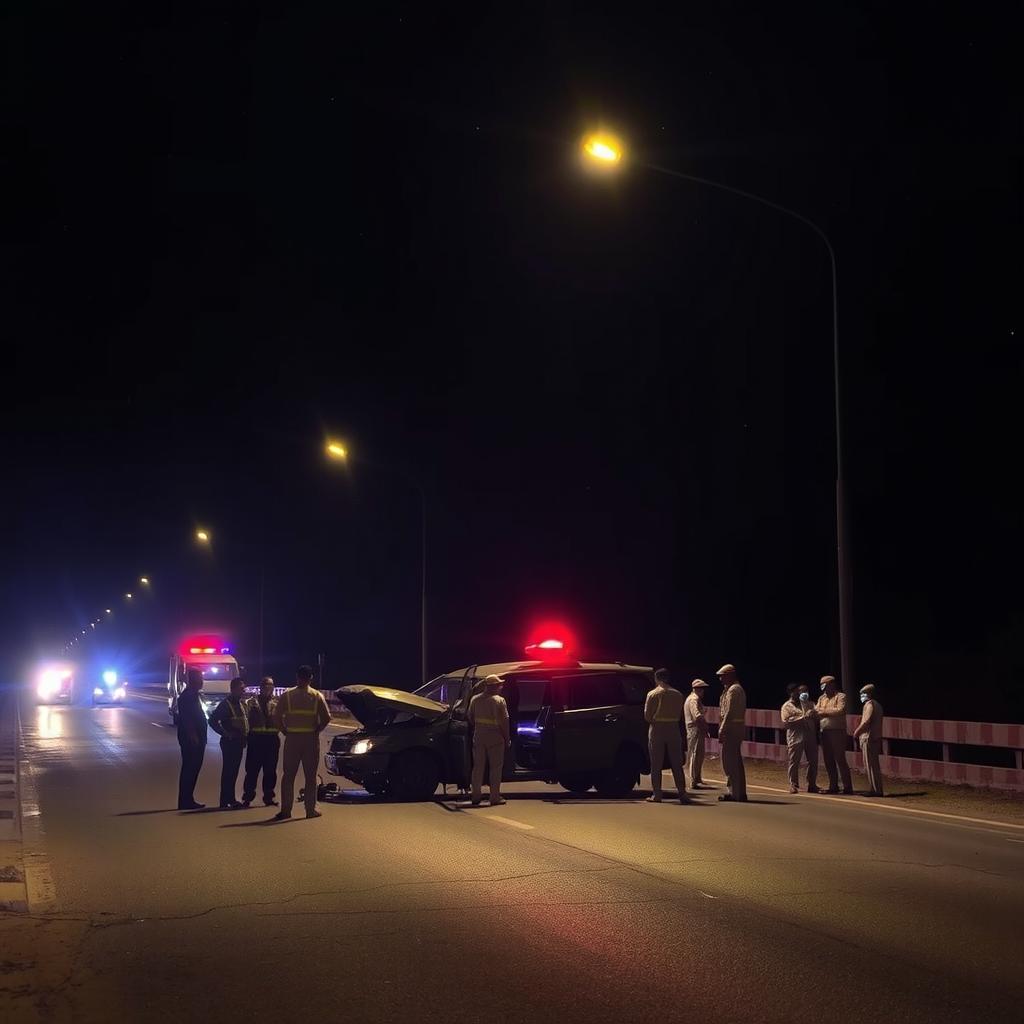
{"x":1010,"y":840}
{"x":159,"y":725}
{"x":707,"y":894}
{"x":877,"y":805}
{"x":147,"y":696}
{"x":507,"y":821}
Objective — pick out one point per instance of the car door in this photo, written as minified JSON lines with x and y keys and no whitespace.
{"x":594,"y":723}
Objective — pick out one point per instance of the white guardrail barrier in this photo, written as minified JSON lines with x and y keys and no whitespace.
{"x":918,"y":730}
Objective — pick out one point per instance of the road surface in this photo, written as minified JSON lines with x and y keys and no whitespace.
{"x":551,"y":908}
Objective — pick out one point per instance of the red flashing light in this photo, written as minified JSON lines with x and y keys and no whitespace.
{"x":551,"y":642}
{"x":203,"y":643}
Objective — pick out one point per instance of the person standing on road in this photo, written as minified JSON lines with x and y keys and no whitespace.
{"x":301,"y":714}
{"x":831,"y":708}
{"x":869,"y":735}
{"x":696,"y":732}
{"x":488,"y":718}
{"x":801,"y":722}
{"x":732,"y":725}
{"x":663,"y":712}
{"x":230,"y":721}
{"x":264,"y":745}
{"x":192,"y":740}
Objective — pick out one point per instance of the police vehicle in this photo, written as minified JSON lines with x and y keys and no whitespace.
{"x":212,"y":656}
{"x":110,"y":689}
{"x":577,"y":724}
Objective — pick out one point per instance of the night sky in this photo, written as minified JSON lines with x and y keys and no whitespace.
{"x":231,"y":233}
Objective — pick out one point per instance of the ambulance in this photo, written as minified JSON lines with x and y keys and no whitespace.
{"x":213,"y":657}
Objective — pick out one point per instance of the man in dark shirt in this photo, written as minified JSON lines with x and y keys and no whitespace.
{"x":191,"y":739}
{"x":231,"y":722}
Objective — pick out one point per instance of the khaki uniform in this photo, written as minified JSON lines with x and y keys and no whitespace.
{"x":731,"y":729}
{"x":301,"y":714}
{"x":696,"y":734}
{"x":871,"y":743}
{"x":832,"y":713}
{"x":663,"y":712}
{"x":801,"y":721}
{"x":488,"y":714}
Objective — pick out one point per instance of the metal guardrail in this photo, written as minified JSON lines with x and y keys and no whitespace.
{"x":913,"y":769}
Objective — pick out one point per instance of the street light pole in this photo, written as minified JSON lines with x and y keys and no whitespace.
{"x":842,"y":560}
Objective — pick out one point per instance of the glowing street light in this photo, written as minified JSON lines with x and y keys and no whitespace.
{"x":336,"y":450}
{"x":108,"y":611}
{"x":203,"y":536}
{"x":128,"y":596}
{"x":144,"y":580}
{"x":602,"y":150}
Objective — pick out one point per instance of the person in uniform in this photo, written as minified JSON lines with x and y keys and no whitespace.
{"x":264,"y":745}
{"x":663,"y":712}
{"x":801,"y":721}
{"x":732,"y":725}
{"x":696,"y":732}
{"x":488,"y":718}
{"x":192,"y":740}
{"x":301,"y":714}
{"x":230,"y":721}
{"x":869,"y":734}
{"x":831,"y":708}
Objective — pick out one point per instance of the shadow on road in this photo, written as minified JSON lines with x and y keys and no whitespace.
{"x":135,"y":814}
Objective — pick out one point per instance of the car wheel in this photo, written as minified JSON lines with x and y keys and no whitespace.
{"x":413,"y":776}
{"x":577,"y":782}
{"x":622,"y":777}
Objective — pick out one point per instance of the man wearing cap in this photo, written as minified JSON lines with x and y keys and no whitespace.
{"x":731,"y":729}
{"x":869,"y":735}
{"x":801,"y":722}
{"x":663,"y":712}
{"x":488,"y":718}
{"x":831,"y":708}
{"x":696,"y":732}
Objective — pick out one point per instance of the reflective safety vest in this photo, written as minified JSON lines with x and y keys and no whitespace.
{"x":239,"y":722}
{"x":298,"y":720}
{"x":257,"y":723}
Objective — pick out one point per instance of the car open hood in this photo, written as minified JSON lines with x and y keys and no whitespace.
{"x":370,"y":704}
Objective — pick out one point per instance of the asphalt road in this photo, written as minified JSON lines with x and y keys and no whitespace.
{"x":552,"y":907}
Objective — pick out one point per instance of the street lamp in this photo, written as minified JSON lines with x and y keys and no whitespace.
{"x":144,"y":580}
{"x":605,"y":152}
{"x":203,"y":536}
{"x":339,"y":453}
{"x":128,"y":596}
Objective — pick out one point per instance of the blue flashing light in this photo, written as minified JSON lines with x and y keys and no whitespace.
{"x":110,"y":677}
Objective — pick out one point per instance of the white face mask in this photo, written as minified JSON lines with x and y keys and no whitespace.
{"x":863,"y":698}
{"x":823,"y":685}
{"x":805,"y":695}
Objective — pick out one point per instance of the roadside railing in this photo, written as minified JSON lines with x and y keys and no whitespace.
{"x":950,"y":766}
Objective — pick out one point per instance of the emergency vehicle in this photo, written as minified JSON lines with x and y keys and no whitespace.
{"x":214,"y":659}
{"x":110,"y":688}
{"x":55,"y":683}
{"x":577,"y":724}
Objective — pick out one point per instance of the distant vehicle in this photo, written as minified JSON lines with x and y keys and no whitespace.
{"x":111,"y":688}
{"x":213,"y":657}
{"x":55,"y":683}
{"x":578,"y":724}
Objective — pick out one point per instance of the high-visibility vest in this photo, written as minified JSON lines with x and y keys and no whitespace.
{"x":256,"y":715}
{"x":239,"y":722}
{"x":306,"y":716}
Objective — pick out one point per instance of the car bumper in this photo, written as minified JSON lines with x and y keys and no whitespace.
{"x":361,"y":768}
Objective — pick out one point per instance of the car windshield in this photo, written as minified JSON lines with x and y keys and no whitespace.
{"x":447,"y":690}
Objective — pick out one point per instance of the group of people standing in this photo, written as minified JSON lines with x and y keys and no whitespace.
{"x":810,"y":726}
{"x":253,"y":727}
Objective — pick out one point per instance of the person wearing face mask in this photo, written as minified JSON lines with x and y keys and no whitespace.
{"x":732,"y":715}
{"x":801,"y":721}
{"x":869,"y":735}
{"x":831,"y":708}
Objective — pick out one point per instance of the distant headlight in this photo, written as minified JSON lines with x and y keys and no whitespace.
{"x":119,"y":693}
{"x":97,"y":691}
{"x":110,"y":677}
{"x":48,"y":686}
{"x":361,"y":746}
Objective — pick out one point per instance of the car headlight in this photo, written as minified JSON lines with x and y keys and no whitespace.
{"x":97,"y":691}
{"x":119,"y":693}
{"x":361,"y":746}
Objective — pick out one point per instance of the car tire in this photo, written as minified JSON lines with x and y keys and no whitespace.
{"x":413,"y":776}
{"x":577,"y":782}
{"x":623,"y":776}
